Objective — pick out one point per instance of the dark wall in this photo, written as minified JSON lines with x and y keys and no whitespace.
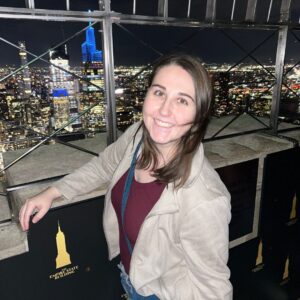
{"x":89,"y":276}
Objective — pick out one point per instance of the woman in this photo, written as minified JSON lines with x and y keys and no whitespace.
{"x":166,"y":209}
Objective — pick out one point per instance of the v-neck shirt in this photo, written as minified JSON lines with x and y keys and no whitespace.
{"x":142,"y":198}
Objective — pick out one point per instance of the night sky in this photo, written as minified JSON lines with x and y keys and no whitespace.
{"x":210,"y":44}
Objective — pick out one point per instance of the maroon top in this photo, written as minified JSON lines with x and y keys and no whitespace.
{"x":141,"y":199}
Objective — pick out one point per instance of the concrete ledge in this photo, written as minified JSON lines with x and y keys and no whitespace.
{"x":50,"y":160}
{"x":5,"y":213}
{"x":13,"y":241}
{"x":19,"y":197}
{"x":242,"y":148}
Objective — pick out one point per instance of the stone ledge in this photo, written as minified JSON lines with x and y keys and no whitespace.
{"x":13,"y":241}
{"x":5,"y":213}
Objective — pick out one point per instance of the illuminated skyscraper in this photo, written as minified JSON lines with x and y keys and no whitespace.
{"x":64,"y":99}
{"x":92,"y":62}
{"x":93,"y":73}
{"x":89,"y":51}
{"x":26,"y":85}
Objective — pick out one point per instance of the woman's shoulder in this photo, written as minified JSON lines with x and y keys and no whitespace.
{"x":133,"y":129}
{"x":212,"y":181}
{"x":207,"y":187}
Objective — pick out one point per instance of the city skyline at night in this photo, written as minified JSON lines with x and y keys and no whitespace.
{"x":45,"y":97}
{"x":142,"y":44}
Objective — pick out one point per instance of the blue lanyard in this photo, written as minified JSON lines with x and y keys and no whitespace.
{"x":128,"y":183}
{"x":126,"y":191}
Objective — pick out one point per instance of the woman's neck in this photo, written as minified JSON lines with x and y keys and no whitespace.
{"x":165,"y":154}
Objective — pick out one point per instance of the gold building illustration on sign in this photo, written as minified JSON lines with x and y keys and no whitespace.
{"x":259,"y":264}
{"x":63,"y":257}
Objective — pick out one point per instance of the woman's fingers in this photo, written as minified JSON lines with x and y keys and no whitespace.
{"x":29,"y":208}
{"x":21,"y":215}
{"x":38,"y":204}
{"x":39,"y":215}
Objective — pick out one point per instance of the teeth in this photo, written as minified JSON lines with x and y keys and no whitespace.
{"x":163,"y":124}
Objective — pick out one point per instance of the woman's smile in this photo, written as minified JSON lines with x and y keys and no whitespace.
{"x":169,"y":108}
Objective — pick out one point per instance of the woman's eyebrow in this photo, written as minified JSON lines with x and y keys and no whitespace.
{"x":187,"y":95}
{"x":158,"y":85}
{"x":181,"y":94}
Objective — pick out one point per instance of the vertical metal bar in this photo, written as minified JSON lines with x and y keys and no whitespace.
{"x":102,"y":5}
{"x":67,"y":4}
{"x":280,"y":55}
{"x":270,"y":9}
{"x":285,"y":10}
{"x":189,"y":9}
{"x":134,"y":7}
{"x":211,"y":10}
{"x":162,"y":8}
{"x":232,"y":10}
{"x":29,"y":4}
{"x":251,"y":10}
{"x":109,"y":82}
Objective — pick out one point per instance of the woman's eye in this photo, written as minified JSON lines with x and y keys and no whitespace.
{"x":158,"y":93}
{"x":183,"y":101}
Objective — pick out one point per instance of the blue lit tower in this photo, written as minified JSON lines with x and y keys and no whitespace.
{"x":88,"y":48}
{"x":92,"y":73}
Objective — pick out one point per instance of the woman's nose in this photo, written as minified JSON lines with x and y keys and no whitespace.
{"x":166,"y":107}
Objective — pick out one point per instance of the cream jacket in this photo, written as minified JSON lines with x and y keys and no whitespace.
{"x":182,"y":248}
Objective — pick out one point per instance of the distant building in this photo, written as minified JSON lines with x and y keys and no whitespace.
{"x":92,"y":84}
{"x":92,"y":62}
{"x":88,"y":48}
{"x":25,"y":87}
{"x":65,"y":102}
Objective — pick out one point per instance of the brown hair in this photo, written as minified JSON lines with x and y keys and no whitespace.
{"x":178,"y":168}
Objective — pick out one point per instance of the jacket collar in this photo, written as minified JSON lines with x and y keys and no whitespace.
{"x":196,"y":168}
{"x":168,"y":200}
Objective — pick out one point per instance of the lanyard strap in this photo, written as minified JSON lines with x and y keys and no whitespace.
{"x":126,"y":191}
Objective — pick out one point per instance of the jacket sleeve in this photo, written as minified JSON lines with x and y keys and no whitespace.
{"x":204,"y":238}
{"x":98,"y":172}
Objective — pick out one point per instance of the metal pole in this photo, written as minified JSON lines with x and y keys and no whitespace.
{"x":189,"y":9}
{"x":163,"y":8}
{"x":269,"y":11}
{"x":211,"y":7}
{"x":232,"y":10}
{"x":285,"y":11}
{"x":280,"y":55}
{"x":134,"y":7}
{"x":109,"y":82}
{"x":251,"y":10}
{"x":29,"y":4}
{"x":101,"y":5}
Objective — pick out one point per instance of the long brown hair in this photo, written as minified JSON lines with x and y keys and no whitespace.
{"x":178,"y":168}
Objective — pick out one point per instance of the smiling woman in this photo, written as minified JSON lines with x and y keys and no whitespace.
{"x":175,"y":116}
{"x":169,"y":108}
{"x":166,"y":209}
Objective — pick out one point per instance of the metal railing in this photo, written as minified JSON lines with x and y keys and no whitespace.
{"x":276,"y":19}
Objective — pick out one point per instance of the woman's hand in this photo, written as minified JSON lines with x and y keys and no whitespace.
{"x":40,"y":204}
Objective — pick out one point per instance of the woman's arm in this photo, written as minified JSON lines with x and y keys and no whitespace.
{"x":96,"y":173}
{"x":99,"y":170}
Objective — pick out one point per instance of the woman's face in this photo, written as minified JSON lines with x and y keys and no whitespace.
{"x":170,"y":106}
